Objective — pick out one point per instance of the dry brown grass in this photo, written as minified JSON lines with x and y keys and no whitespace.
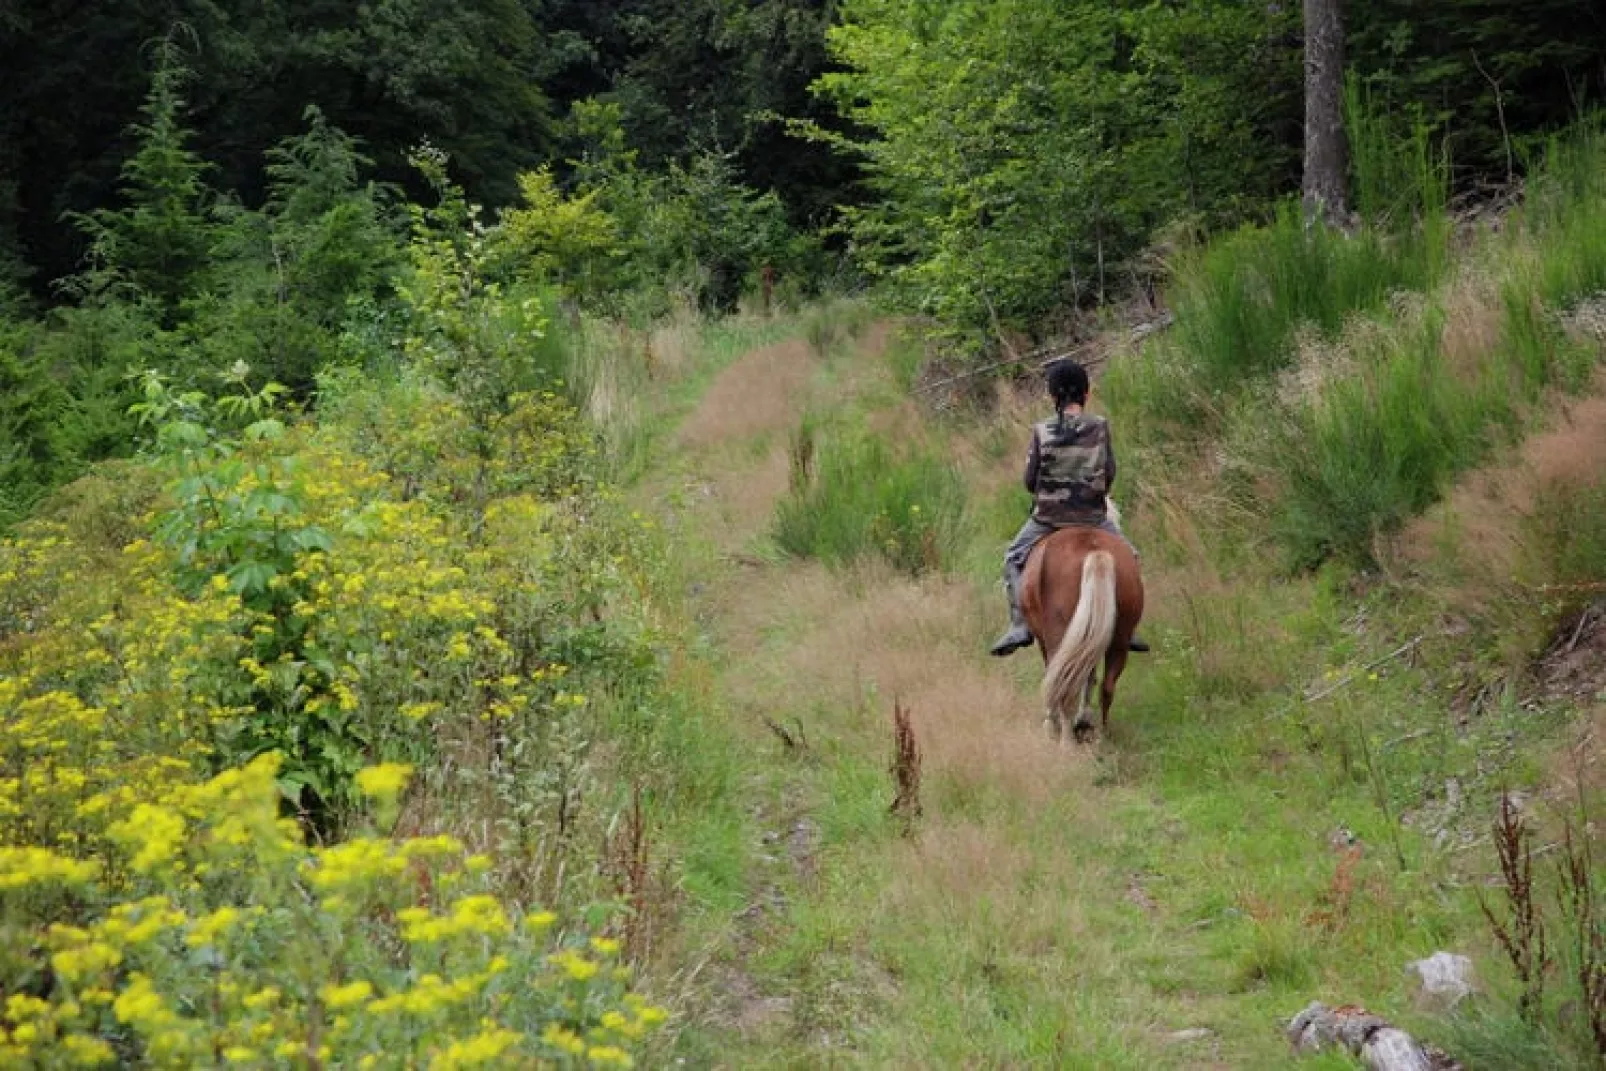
{"x":764,"y":391}
{"x":1473,"y":323}
{"x":668,"y":347}
{"x":1479,"y":525}
{"x":862,"y":641}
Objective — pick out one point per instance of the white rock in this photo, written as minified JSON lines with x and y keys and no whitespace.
{"x":1447,"y":978}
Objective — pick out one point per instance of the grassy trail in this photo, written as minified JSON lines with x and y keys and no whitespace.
{"x":1162,"y":900}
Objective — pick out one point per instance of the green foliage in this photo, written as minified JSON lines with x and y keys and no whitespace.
{"x":465,"y":327}
{"x":854,"y":497}
{"x":234,"y":515}
{"x":1377,"y":446}
{"x":289,"y":274}
{"x":1024,"y":151}
{"x":156,"y":247}
{"x":466,"y":75}
{"x":239,"y":519}
{"x":1491,"y":74}
{"x":33,"y":407}
{"x":568,"y":241}
{"x":1240,"y":300}
{"x":698,"y":234}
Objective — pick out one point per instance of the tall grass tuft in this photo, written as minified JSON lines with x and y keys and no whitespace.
{"x":1377,"y":447}
{"x":1565,"y":543}
{"x":855,"y":498}
{"x":1241,"y":300}
{"x":1564,"y":215}
{"x":1399,"y":179}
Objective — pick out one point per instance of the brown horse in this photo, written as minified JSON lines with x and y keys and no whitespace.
{"x":1082,"y":595}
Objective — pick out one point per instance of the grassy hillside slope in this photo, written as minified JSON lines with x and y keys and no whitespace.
{"x":1295,"y":797}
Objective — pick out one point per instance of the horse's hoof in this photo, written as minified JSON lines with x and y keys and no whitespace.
{"x":1083,"y":731}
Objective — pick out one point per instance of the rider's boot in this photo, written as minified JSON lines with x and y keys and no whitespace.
{"x":1019,"y":635}
{"x":1135,"y":644}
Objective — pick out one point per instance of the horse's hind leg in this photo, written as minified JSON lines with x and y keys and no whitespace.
{"x":1084,"y":722}
{"x":1114,"y":664}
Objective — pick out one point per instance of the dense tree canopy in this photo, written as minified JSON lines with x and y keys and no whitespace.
{"x":488,"y":81}
{"x":1021,"y":153}
{"x":1096,"y":121}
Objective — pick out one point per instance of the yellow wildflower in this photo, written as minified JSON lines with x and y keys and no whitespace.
{"x":574,"y":965}
{"x":85,"y":1051}
{"x":205,"y":931}
{"x":31,"y":866}
{"x":486,"y":1047}
{"x":262,"y":998}
{"x":563,"y":1039}
{"x":90,"y":960}
{"x":480,"y":914}
{"x":156,"y":832}
{"x":384,"y":781}
{"x":346,"y":996}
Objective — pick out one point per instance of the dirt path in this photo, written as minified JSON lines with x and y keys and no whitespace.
{"x":822,"y":656}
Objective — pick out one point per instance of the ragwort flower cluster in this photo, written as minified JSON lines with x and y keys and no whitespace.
{"x":304,"y":633}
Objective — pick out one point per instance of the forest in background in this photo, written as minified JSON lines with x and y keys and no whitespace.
{"x":992,"y":166}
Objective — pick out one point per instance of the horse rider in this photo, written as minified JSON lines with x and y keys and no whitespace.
{"x":1069,"y":470}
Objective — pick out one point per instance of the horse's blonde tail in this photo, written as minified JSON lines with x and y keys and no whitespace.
{"x":1086,"y":638}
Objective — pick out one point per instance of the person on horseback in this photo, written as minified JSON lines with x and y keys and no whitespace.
{"x":1069,"y":470}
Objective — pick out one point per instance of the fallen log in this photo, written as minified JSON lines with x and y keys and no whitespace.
{"x":1370,"y":1038}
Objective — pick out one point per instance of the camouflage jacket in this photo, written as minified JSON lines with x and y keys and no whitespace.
{"x":1070,"y":469}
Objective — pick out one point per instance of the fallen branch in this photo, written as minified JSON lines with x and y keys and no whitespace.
{"x":797,"y":742}
{"x":1349,"y":678}
{"x":1369,"y":1038}
{"x":1047,"y":355}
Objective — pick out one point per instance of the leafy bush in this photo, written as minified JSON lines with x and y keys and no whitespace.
{"x":854,"y":497}
{"x":184,"y":663}
{"x":568,"y":241}
{"x":203,"y":930}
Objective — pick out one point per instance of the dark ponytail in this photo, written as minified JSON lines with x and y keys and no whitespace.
{"x":1067,"y":385}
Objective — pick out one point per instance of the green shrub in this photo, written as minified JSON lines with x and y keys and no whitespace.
{"x":854,"y":497}
{"x":1240,"y":300}
{"x":1376,"y":448}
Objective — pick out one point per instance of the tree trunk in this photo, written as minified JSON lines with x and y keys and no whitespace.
{"x":1326,"y":156}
